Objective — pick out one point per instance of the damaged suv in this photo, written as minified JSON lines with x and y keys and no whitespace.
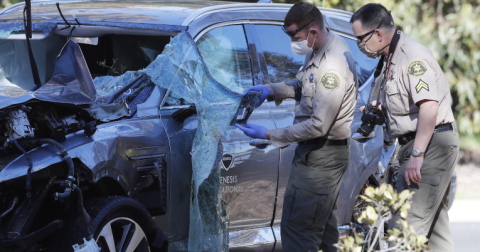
{"x":77,"y":147}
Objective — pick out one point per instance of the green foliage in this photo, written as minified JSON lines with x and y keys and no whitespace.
{"x":112,"y":68}
{"x":385,"y":203}
{"x":449,"y":28}
{"x":6,"y":3}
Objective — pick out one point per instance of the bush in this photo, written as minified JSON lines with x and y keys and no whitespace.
{"x":6,"y":3}
{"x":385,"y":203}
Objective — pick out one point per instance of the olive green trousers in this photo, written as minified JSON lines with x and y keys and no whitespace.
{"x":428,"y":214}
{"x":309,"y":219}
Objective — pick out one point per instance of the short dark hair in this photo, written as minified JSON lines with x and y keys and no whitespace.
{"x":371,"y":15}
{"x":302,"y":13}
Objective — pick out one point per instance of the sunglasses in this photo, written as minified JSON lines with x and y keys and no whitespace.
{"x":292,"y":33}
{"x":361,"y":37}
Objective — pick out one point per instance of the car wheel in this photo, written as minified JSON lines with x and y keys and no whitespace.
{"x":362,"y":228}
{"x":122,"y":234}
{"x":117,"y":224}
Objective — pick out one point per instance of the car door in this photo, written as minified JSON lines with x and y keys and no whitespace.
{"x":277,"y":63}
{"x":248,"y":174}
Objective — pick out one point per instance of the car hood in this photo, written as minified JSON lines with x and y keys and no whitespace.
{"x":71,"y":82}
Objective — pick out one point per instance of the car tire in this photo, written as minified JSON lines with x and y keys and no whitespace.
{"x":115,"y":222}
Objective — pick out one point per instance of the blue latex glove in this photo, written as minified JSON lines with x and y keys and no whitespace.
{"x":259,"y":88}
{"x":253,"y":130}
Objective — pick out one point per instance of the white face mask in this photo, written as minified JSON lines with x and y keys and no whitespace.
{"x":301,"y":48}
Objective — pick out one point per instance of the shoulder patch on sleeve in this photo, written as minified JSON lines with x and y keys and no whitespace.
{"x":330,"y":81}
{"x":417,"y":68}
{"x":421,"y":84}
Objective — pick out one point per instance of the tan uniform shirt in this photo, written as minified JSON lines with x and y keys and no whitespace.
{"x":329,"y":81}
{"x":414,"y":75}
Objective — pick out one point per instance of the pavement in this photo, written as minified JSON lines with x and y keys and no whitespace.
{"x":465,"y":224}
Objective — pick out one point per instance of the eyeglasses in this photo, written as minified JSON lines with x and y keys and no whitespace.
{"x":292,"y":33}
{"x":361,"y":37}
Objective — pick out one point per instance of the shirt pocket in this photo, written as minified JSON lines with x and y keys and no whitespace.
{"x":307,"y":96}
{"x":394,"y":100}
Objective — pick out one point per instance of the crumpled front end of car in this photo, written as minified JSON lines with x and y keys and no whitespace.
{"x":61,"y":144}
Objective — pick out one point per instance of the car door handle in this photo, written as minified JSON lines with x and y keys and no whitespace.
{"x":257,"y":142}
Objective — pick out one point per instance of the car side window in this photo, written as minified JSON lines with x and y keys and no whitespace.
{"x":282,"y":63}
{"x":225,"y":52}
{"x":365,"y":66}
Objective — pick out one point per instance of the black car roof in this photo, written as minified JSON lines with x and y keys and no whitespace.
{"x":151,"y":13}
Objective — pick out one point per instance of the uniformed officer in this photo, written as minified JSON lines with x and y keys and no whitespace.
{"x":416,"y":99}
{"x":325,"y":89}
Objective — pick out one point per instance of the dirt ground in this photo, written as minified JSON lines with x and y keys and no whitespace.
{"x":468,"y":181}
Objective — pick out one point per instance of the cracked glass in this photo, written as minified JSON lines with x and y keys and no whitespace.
{"x":15,"y":69}
{"x":181,"y":69}
{"x":7,"y":28}
{"x":225,"y":53}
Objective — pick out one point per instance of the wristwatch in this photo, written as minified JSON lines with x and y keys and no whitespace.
{"x":417,"y":153}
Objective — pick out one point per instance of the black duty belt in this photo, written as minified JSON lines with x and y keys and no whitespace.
{"x":404,"y":139}
{"x":323,"y":141}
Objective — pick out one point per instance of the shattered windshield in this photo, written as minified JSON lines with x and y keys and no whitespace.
{"x":65,"y":81}
{"x":15,"y":67}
